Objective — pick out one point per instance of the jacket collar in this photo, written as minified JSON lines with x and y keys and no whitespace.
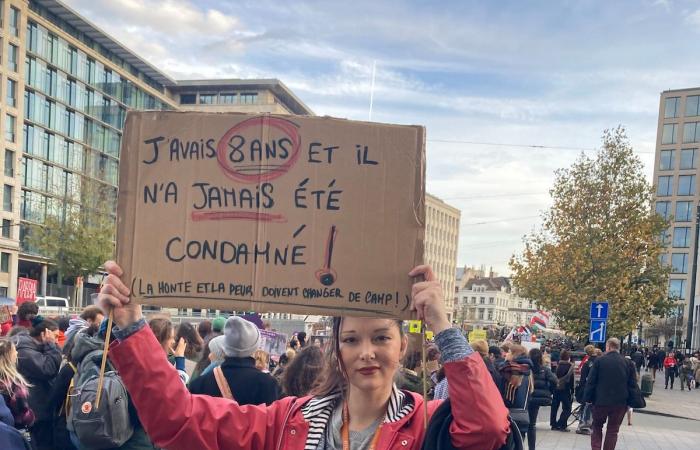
{"x":232,"y":361}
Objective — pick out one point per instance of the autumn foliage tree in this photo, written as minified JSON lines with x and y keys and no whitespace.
{"x":600,"y":241}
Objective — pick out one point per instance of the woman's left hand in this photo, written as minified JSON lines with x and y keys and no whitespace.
{"x":429,"y":299}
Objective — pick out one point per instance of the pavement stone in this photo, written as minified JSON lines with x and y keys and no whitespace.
{"x":672,"y":402}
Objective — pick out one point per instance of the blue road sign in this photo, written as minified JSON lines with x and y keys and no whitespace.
{"x":598,"y":330}
{"x":599,"y":310}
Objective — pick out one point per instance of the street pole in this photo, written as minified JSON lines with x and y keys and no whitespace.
{"x":693,"y":281}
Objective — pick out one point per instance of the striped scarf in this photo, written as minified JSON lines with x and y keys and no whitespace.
{"x":319,"y":409}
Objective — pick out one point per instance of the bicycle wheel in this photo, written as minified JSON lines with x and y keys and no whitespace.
{"x":575,"y":415}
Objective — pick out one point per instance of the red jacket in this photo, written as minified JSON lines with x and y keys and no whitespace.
{"x":175,"y":419}
{"x":670,"y":361}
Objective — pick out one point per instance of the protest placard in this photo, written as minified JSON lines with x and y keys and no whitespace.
{"x":308,"y":215}
{"x":272,"y":342}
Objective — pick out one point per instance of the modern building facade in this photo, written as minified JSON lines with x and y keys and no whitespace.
{"x":66,"y":88}
{"x":675,"y":178}
{"x":441,"y":241}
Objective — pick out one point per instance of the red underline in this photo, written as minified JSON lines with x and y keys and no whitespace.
{"x":198,"y":216}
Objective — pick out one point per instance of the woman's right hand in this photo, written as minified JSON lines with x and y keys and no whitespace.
{"x":114,"y":296}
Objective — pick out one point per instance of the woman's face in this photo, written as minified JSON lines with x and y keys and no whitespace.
{"x":371,"y":351}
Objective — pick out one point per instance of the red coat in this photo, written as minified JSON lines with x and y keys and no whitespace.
{"x":670,"y":361}
{"x":175,"y":419}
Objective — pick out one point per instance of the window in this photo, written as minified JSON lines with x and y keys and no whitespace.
{"x":481,"y":314}
{"x":666,"y":162}
{"x":188,"y":99}
{"x":665,"y":237}
{"x":7,"y":198}
{"x":676,"y":289}
{"x":684,"y":212}
{"x":482,"y":300}
{"x":691,"y":132}
{"x":207,"y":99}
{"x":11,"y":92}
{"x":228,"y":98}
{"x":679,"y":262}
{"x":681,"y":237}
{"x":689,"y":158}
{"x":686,"y":185}
{"x":10,"y":128}
{"x":474,"y":300}
{"x":490,"y":314}
{"x":4,"y":262}
{"x":249,"y":99}
{"x":663,"y":209}
{"x":14,"y":21}
{"x":663,"y":259}
{"x":9,"y":163}
{"x":692,"y":106}
{"x":12,"y":57}
{"x":668,"y":135}
{"x":671,"y":107}
{"x":6,"y":228}
{"x":665,"y":186}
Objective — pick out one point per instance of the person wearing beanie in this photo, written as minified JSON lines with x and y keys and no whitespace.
{"x":248,"y":385}
{"x":217,"y":326}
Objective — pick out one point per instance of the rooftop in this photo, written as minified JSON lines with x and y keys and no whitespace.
{"x":492,"y":284}
{"x":276,"y":86}
{"x":94,"y":32}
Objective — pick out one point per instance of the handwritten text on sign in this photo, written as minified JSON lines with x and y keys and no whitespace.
{"x":271,"y":213}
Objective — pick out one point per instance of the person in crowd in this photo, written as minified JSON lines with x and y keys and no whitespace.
{"x":38,"y":362}
{"x":212,"y":356}
{"x":193,"y":342}
{"x":653,"y":362}
{"x":13,"y":387}
{"x":285,"y":359}
{"x":408,"y":373}
{"x":563,"y":394}
{"x":165,"y":334}
{"x":302,"y":374}
{"x":516,"y":385}
{"x":696,"y":370}
{"x":670,"y":368}
{"x":91,"y":317}
{"x":637,"y":358}
{"x":586,"y":421}
{"x":62,"y":323}
{"x":554,"y":356}
{"x":217,"y":326}
{"x":11,"y":317}
{"x":26,"y":313}
{"x":607,"y":388}
{"x":544,"y":384}
{"x":301,"y":337}
{"x":10,"y":438}
{"x":685,"y":372}
{"x":482,"y":347}
{"x":496,"y":356}
{"x":357,"y":387}
{"x":262,"y":360}
{"x":248,"y":385}
{"x":204,"y":330}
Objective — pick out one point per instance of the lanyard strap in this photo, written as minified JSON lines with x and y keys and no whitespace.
{"x":345,"y":430}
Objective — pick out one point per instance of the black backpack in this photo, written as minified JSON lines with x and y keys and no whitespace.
{"x":437,"y":436}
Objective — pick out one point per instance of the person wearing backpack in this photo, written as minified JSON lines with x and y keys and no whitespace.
{"x":38,"y":360}
{"x":686,"y":372}
{"x":563,"y":395}
{"x":544,"y":382}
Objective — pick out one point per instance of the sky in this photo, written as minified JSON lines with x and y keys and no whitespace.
{"x":493,"y":82}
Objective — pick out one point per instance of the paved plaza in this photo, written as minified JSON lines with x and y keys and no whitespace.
{"x":671,"y":421}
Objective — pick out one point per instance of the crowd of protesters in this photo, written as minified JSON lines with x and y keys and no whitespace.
{"x":49,"y":364}
{"x":42,"y":360}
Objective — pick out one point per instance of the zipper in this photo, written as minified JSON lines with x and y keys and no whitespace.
{"x":284,"y":425}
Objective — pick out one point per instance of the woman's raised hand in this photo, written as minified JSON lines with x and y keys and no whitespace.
{"x":114,"y":296}
{"x":429,"y":299}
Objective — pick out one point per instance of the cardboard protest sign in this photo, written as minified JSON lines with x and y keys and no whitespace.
{"x":292,"y":214}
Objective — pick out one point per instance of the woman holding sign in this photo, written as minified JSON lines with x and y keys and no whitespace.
{"x":357,"y":407}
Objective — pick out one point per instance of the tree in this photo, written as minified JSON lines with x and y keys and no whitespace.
{"x":600,"y":241}
{"x":78,"y":238}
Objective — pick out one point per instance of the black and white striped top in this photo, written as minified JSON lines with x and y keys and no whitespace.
{"x":319,"y":409}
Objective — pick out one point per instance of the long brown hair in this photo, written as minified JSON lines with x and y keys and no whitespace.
{"x":162,"y":328}
{"x":302,"y":373}
{"x":334,"y":377}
